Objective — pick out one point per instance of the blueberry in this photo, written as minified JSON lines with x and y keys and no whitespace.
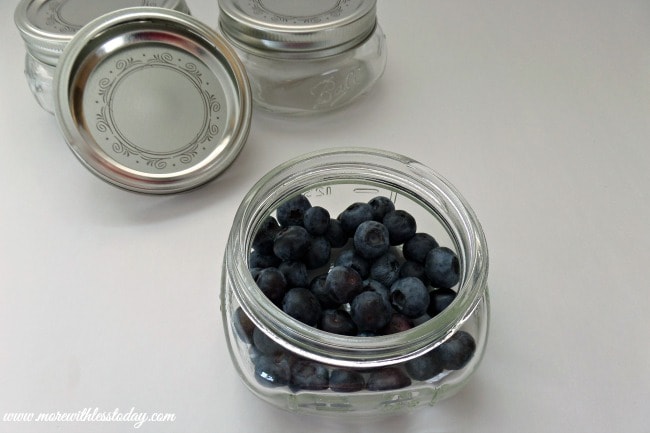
{"x":265,"y":344}
{"x":442,"y":268}
{"x":292,"y":211}
{"x":259,"y":260}
{"x":351,"y":259}
{"x":410,"y":297}
{"x":343,"y":284}
{"x":424,"y":367}
{"x":398,"y":323}
{"x":337,"y":322}
{"x":273,"y":370}
{"x":263,"y":240}
{"x":342,"y":380}
{"x":401,"y":226}
{"x":318,"y":288}
{"x":371,"y":239}
{"x":273,"y":284}
{"x":385,"y":269}
{"x":380,"y":206}
{"x":295,"y":273}
{"x":309,"y":375}
{"x":335,"y":234}
{"x":370,"y":311}
{"x":418,"y":246}
{"x":354,"y":215}
{"x":413,"y":269}
{"x":387,"y":378}
{"x":302,"y":305}
{"x":457,"y":351}
{"x":370,"y":285}
{"x":292,"y":243}
{"x":316,"y":220}
{"x":440,"y":299}
{"x":243,"y":325}
{"x":318,"y":254}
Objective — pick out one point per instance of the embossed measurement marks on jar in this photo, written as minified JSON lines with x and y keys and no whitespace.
{"x":299,"y":12}
{"x":161,"y":85}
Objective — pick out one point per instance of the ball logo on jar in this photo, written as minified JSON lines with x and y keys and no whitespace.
{"x":334,"y":88}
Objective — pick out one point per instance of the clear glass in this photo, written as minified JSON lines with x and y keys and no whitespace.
{"x":334,"y":179}
{"x":40,"y":78}
{"x":295,"y":85}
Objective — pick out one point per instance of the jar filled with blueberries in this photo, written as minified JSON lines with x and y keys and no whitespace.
{"x":355,"y":281}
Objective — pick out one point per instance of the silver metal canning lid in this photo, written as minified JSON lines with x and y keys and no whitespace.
{"x":287,"y":26}
{"x":47,"y":26}
{"x":152,"y":100}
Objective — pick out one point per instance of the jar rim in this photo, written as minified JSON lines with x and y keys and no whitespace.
{"x":431,"y":189}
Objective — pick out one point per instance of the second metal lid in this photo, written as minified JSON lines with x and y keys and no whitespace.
{"x":289,"y":26}
{"x":152,"y":100}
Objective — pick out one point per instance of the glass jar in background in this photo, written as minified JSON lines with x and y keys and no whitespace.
{"x":333,"y":179}
{"x":47,"y":26}
{"x":306,"y":57}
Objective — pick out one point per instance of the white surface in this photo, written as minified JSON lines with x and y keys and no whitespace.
{"x":539,"y":112}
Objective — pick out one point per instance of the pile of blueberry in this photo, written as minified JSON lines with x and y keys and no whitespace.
{"x":348,"y":276}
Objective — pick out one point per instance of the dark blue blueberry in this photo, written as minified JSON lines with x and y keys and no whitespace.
{"x":343,"y":284}
{"x":292,"y":243}
{"x":243,"y":325}
{"x":273,"y":370}
{"x":440,"y":299}
{"x":335,"y":234}
{"x":259,"y":260}
{"x":295,"y":273}
{"x":398,"y":323}
{"x":413,"y":269}
{"x":370,"y":311}
{"x":308,"y":375}
{"x":380,"y":206}
{"x":263,"y":240}
{"x":302,"y":305}
{"x":401,"y":226}
{"x":351,"y":259}
{"x":457,"y":351}
{"x":342,"y":380}
{"x":255,"y":272}
{"x":371,"y":239}
{"x":442,"y":268}
{"x":319,"y":289}
{"x":418,"y":247}
{"x":292,"y":211}
{"x":318,"y":254}
{"x":316,"y":220}
{"x":273,"y":284}
{"x":265,"y":344}
{"x":385,"y":269}
{"x":370,"y":285}
{"x":354,"y":215}
{"x":337,"y":322}
{"x":410,"y":297}
{"x":387,"y":378}
{"x":424,"y":367}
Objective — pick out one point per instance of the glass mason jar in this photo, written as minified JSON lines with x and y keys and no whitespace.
{"x":47,"y":26}
{"x":306,"y":57}
{"x":333,"y":179}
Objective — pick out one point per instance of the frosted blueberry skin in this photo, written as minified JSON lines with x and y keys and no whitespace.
{"x":413,"y":269}
{"x":351,"y":259}
{"x":318,"y":288}
{"x":354,"y":215}
{"x":292,"y":243}
{"x":380,"y":206}
{"x":410,"y":297}
{"x":302,"y":305}
{"x":292,"y":211}
{"x":370,"y":311}
{"x":424,"y":367}
{"x":273,"y":370}
{"x":273,"y":284}
{"x":343,"y":284}
{"x":371,"y":239}
{"x":265,"y":236}
{"x":295,"y":273}
{"x":387,"y":378}
{"x":342,"y":380}
{"x":337,"y":322}
{"x":316,"y":220}
{"x":264,"y":344}
{"x":260,"y":260}
{"x":440,"y":299}
{"x":456,"y":352}
{"x":401,"y":226}
{"x":398,"y":323}
{"x":335,"y":234}
{"x":417,"y":247}
{"x":318,"y":254}
{"x":308,"y":375}
{"x":442,"y":268}
{"x":385,"y":269}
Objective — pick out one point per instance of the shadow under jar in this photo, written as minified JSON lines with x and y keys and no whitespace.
{"x":306,"y":57}
{"x":301,"y":367}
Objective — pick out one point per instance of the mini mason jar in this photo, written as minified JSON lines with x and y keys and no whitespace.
{"x":306,"y":57}
{"x":47,"y":26}
{"x":302,"y":368}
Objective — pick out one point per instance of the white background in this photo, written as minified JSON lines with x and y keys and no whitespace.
{"x":538,"y":111}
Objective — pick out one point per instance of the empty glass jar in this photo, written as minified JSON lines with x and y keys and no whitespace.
{"x":306,"y":57}
{"x":302,"y":368}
